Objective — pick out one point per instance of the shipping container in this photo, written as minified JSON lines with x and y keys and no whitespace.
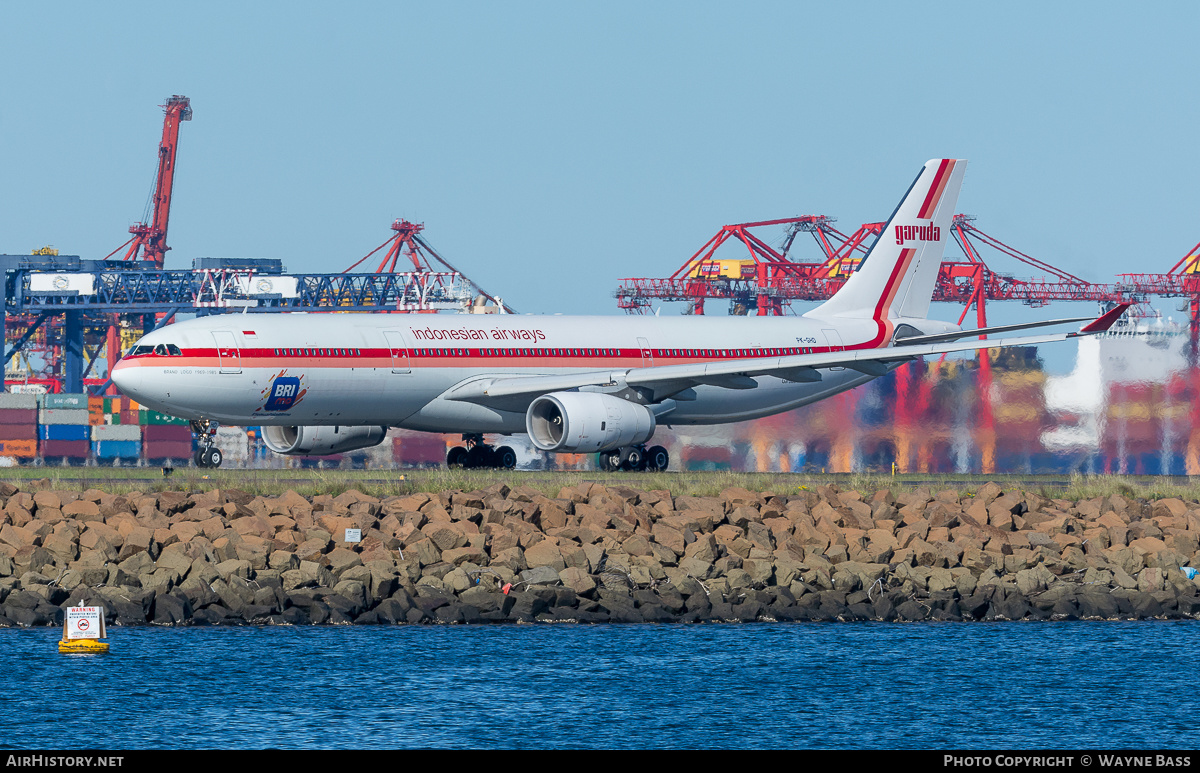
{"x":117,"y":432}
{"x":166,"y":449}
{"x":18,"y":416}
{"x":171,"y":432}
{"x":117,"y":449}
{"x":74,"y":449}
{"x":419,"y":449}
{"x":18,"y":431}
{"x":62,"y":416}
{"x":154,"y":417}
{"x":117,"y":403}
{"x":11,"y":400}
{"x":64,"y":432}
{"x":22,"y":448}
{"x":233,"y":443}
{"x":65,"y":400}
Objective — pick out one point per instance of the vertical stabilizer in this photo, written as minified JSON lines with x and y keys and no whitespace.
{"x":897,"y":277}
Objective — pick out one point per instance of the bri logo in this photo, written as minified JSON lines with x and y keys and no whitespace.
{"x":284,"y":392}
{"x":920,"y":233}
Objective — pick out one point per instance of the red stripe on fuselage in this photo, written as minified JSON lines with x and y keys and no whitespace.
{"x":884,"y":306}
{"x":513,"y":358}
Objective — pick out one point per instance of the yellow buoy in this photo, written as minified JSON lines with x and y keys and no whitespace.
{"x":82,"y":646}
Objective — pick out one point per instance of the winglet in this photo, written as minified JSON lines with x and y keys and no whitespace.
{"x":1106,"y":320}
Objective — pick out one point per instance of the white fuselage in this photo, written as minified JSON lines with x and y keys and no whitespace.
{"x":395,"y":369}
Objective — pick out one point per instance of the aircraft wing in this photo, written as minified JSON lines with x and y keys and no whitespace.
{"x":664,"y":381}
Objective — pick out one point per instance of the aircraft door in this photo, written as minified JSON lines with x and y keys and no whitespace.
{"x":228,"y":352}
{"x":647,"y":353}
{"x":834,"y":340}
{"x":398,"y":348}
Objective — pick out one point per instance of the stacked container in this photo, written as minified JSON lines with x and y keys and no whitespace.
{"x":112,"y":442}
{"x":18,"y":425}
{"x":418,"y":449}
{"x":96,"y":411}
{"x":234,"y":444}
{"x":64,"y":432}
{"x":165,"y":436}
{"x":117,"y":409}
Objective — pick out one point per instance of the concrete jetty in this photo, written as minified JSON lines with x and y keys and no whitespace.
{"x":594,"y":553}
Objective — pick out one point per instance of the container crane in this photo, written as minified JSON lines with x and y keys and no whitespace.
{"x":435,"y":282}
{"x":151,"y":239}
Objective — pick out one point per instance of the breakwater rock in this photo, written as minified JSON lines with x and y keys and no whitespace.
{"x":593,"y":553}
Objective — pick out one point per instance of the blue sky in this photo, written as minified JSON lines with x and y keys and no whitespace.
{"x":551,"y":149}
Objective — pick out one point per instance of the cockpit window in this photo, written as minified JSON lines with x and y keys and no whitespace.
{"x":173,"y":350}
{"x":167,"y":350}
{"x":142,"y":349}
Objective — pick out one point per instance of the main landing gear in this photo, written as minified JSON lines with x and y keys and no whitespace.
{"x":207,"y":455}
{"x":654,"y":459}
{"x":477,"y":454}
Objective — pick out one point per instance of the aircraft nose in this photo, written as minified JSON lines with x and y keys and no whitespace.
{"x":127,"y":377}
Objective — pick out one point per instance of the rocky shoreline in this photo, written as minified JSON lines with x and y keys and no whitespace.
{"x":593,"y":554}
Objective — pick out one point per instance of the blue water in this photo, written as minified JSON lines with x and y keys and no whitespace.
{"x":803,"y":685}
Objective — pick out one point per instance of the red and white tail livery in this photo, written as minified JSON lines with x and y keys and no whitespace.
{"x":896,"y":279}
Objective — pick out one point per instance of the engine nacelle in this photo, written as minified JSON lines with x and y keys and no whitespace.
{"x":321,"y":441}
{"x":582,"y":422}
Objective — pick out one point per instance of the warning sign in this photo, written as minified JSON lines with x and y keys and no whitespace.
{"x":85,"y":622}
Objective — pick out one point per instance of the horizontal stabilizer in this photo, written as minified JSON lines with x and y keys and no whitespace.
{"x":979,"y":331}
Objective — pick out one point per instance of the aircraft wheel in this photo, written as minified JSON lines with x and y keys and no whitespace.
{"x":657,"y":459}
{"x":456,"y":457}
{"x":479,"y":456}
{"x":212,"y":457}
{"x":198,"y":458}
{"x":610,"y":461}
{"x":506,"y":458}
{"x":631,"y":458}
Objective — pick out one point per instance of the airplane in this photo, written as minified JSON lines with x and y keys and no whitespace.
{"x":325,"y":383}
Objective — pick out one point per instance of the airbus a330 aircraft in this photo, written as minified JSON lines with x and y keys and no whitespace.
{"x":326,"y":383}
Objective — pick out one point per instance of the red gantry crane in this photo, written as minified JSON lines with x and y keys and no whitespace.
{"x":151,"y":238}
{"x":408,"y":243}
{"x":767,"y":281}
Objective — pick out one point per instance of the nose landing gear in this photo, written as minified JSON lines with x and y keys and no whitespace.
{"x":479,"y":455}
{"x":635,"y":458}
{"x":207,"y":455}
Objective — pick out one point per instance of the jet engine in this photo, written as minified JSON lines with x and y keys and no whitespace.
{"x":320,"y":441}
{"x":582,"y":422}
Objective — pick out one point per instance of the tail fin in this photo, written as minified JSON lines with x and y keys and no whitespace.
{"x":897,"y":277}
